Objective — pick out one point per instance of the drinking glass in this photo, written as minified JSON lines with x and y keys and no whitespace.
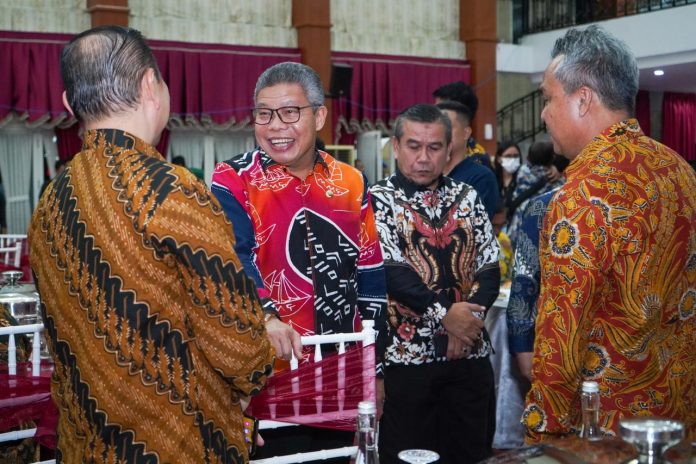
{"x":418,"y":456}
{"x":652,"y":436}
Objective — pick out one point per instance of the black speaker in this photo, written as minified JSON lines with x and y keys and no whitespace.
{"x":341,"y":79}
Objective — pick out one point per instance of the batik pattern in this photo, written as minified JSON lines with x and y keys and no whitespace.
{"x":155,"y":331}
{"x":439,"y":249}
{"x":310,"y":244}
{"x":526,"y":276}
{"x":618,"y":287}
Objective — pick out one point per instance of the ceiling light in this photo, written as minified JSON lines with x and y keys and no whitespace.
{"x":658,"y":72}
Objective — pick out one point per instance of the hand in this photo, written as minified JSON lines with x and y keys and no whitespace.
{"x":456,"y":348}
{"x":461,"y":322}
{"x":379,"y":396}
{"x":524,"y":362}
{"x":259,"y":440}
{"x":284,"y":339}
{"x":552,"y":174}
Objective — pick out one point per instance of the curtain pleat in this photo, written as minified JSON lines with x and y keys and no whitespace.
{"x":385,"y":85}
{"x":679,"y":123}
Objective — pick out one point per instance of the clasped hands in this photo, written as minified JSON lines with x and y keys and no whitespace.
{"x":463,"y":323}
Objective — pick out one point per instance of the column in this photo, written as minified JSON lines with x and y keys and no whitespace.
{"x":108,"y":12}
{"x":312,"y":19}
{"x":477,"y":29}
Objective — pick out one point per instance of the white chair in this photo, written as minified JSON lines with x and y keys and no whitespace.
{"x":367,"y":338}
{"x":11,"y":248}
{"x":11,"y":255}
{"x":12,"y":331}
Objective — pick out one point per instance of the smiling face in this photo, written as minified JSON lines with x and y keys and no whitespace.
{"x":289,"y":144}
{"x":422,"y":151}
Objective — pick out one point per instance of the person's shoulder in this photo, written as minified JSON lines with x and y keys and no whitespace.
{"x":385,"y":186}
{"x":245,"y":160}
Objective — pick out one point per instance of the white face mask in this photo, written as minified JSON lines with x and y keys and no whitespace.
{"x":511,"y":165}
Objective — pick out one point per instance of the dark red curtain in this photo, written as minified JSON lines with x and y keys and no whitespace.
{"x":68,"y":141}
{"x":206,"y":82}
{"x":385,"y":85}
{"x":643,"y":111}
{"x":679,"y":123}
{"x":30,"y":69}
{"x":215,"y":82}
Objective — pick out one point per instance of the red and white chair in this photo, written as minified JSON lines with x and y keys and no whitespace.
{"x":366,"y":338}
{"x":12,"y":332}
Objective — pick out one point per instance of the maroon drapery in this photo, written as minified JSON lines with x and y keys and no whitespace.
{"x":68,"y":141}
{"x":679,"y":123}
{"x":207,"y":83}
{"x":215,"y":83}
{"x":385,"y":85}
{"x":643,"y":111}
{"x":30,"y":69}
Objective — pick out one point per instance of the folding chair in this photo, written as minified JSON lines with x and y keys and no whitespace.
{"x":11,"y":332}
{"x":367,"y":338}
{"x":11,"y":255}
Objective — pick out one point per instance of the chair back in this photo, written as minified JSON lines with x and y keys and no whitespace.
{"x":11,"y":332}
{"x":11,"y":255}
{"x":366,"y":338}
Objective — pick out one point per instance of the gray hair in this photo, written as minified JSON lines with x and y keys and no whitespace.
{"x":594,"y":58}
{"x":102,"y":69}
{"x":422,"y":113}
{"x":293,"y":73}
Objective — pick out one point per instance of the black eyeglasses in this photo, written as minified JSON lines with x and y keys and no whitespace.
{"x":287,"y":114}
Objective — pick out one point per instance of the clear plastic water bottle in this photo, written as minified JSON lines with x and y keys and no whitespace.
{"x":589,"y":400}
{"x":367,"y":445}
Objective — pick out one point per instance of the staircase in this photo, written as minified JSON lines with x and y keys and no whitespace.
{"x":521,"y":119}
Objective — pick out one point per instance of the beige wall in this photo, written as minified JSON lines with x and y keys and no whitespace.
{"x":504,"y":19}
{"x":510,"y":87}
{"x":65,"y":16}
{"x":397,"y":27}
{"x":240,"y":22}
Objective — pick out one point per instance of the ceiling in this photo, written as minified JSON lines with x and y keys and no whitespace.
{"x":677,"y":78}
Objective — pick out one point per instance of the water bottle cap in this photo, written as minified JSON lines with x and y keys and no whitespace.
{"x":590,"y":386}
{"x":367,"y":407}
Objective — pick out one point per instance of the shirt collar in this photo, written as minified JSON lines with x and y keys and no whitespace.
{"x":119,"y":138}
{"x":621,"y":132}
{"x":320,"y":158}
{"x":411,"y":188}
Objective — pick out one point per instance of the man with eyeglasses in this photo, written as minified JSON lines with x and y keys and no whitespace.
{"x":304,"y":226}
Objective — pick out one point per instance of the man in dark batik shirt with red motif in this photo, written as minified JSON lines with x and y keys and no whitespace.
{"x":441,"y":260}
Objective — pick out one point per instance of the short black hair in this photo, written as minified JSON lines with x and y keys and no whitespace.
{"x":462,"y":111}
{"x":540,"y":154}
{"x":102,"y":69}
{"x":461,"y":92}
{"x":422,"y":113}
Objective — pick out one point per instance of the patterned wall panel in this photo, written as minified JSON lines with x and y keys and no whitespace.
{"x":396,"y":27}
{"x":68,"y":16}
{"x":240,"y":22}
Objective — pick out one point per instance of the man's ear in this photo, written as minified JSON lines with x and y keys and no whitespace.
{"x":395,"y":147}
{"x":67,"y":105}
{"x":467,"y":132}
{"x":585,"y":100}
{"x":320,"y":117}
{"x":148,"y":88}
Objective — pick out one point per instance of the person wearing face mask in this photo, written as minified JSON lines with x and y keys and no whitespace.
{"x":507,"y":164}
